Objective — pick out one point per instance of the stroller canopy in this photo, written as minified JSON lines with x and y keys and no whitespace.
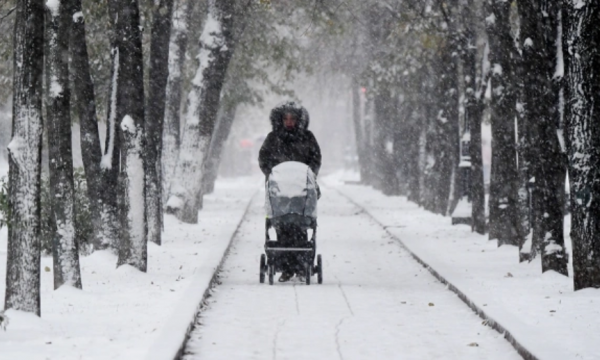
{"x":291,"y":189}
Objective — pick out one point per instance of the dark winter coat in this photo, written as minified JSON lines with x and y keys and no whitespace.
{"x":289,"y":145}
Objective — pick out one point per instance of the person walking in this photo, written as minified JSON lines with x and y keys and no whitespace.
{"x":290,"y":140}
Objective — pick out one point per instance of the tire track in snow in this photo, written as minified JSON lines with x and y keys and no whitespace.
{"x":344,"y":295}
{"x":277,"y":330}
{"x":337,"y":338}
{"x":296,"y":298}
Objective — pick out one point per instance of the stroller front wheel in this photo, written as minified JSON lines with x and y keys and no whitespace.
{"x":271,"y":274}
{"x":263,"y":267}
{"x":308,"y":274}
{"x":319,"y":269}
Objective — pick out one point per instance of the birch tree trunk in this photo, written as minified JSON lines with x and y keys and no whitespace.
{"x":64,"y":243}
{"x":85,"y":105}
{"x":216,"y":49}
{"x":130,"y":113}
{"x":504,"y":221}
{"x":158,"y":74}
{"x":23,"y":250}
{"x":582,"y":69}
{"x":171,"y":127}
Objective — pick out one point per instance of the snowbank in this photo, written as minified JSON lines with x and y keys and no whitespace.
{"x":122,"y":313}
{"x":540,"y":311}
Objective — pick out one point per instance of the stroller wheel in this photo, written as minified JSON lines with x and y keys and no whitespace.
{"x":308,"y":274}
{"x":263,"y":267}
{"x":319,"y":269}
{"x":271,"y":274}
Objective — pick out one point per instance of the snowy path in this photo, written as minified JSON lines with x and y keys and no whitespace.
{"x":375,"y":302}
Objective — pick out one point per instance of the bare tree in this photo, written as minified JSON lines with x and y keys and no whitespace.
{"x":216,"y":49}
{"x":23,"y":256}
{"x":85,"y":106}
{"x":158,"y":74}
{"x":64,"y":243}
{"x":504,"y":221}
{"x":171,"y":136}
{"x":582,"y":65}
{"x":132,"y":247}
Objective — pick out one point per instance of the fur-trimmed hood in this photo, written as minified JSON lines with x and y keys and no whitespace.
{"x":293,"y":107}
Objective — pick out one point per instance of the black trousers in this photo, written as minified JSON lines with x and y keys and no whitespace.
{"x":291,"y":235}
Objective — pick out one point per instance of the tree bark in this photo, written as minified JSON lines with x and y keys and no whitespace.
{"x":216,"y":49}
{"x":504,"y":221}
{"x":85,"y":106}
{"x":171,"y":127}
{"x":23,"y":250}
{"x":64,"y":243}
{"x":581,"y":41}
{"x":110,"y":162}
{"x":130,"y":114}
{"x":474,"y":90}
{"x":158,"y":74}
{"x":540,"y":28}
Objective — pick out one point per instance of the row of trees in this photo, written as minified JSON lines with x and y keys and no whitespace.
{"x":148,"y":163}
{"x":426,"y":67}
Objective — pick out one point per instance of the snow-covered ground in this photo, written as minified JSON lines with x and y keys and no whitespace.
{"x":541,"y":311}
{"x":376,"y":302}
{"x":121,"y":313}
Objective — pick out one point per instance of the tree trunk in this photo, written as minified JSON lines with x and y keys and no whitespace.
{"x":64,"y":243}
{"x":213,"y":160}
{"x":582,"y":64}
{"x":23,"y":250}
{"x":158,"y":74}
{"x":171,"y":128}
{"x":130,"y":114}
{"x":85,"y":105}
{"x":474,"y":90}
{"x":216,"y":48}
{"x":358,"y":129}
{"x":110,"y":162}
{"x":540,"y":33}
{"x":504,"y":221}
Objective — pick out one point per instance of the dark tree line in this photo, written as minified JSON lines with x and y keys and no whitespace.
{"x":436,"y":70}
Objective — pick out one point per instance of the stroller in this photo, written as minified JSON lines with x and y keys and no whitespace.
{"x":291,"y":203}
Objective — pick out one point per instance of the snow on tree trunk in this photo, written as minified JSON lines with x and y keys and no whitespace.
{"x":171,"y":127}
{"x":85,"y":103}
{"x":540,"y":31}
{"x":134,"y":229}
{"x":23,"y":250}
{"x":64,"y":243}
{"x":132,"y":248}
{"x":216,"y":49}
{"x":110,"y":162}
{"x":504,"y":220}
{"x":582,"y":64}
{"x":158,"y":73}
